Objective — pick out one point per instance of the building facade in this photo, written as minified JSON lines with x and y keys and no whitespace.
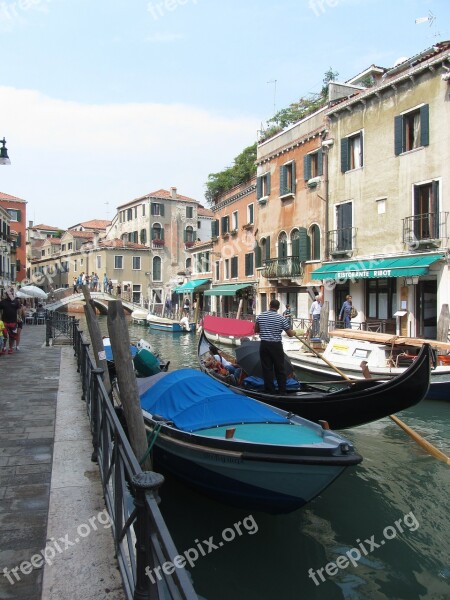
{"x":17,"y":209}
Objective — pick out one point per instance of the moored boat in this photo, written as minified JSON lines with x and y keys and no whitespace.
{"x":237,"y":449}
{"x":222,"y":330}
{"x":386,"y":355}
{"x":139,"y":316}
{"x":170,"y":325}
{"x":342,"y":404}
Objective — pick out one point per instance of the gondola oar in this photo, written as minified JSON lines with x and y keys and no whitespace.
{"x":421,"y":441}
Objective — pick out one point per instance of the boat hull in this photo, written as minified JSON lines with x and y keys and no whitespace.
{"x":171,"y":327}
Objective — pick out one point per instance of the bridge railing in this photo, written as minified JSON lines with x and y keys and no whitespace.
{"x":143,"y":544}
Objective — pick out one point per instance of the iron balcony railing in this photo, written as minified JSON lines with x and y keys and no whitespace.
{"x":142,"y":541}
{"x":425,"y":228}
{"x":342,"y":241}
{"x":279,"y":268}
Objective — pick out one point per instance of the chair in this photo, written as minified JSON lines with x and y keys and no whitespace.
{"x":40,"y":318}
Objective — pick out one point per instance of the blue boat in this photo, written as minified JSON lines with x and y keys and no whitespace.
{"x":237,"y":449}
{"x":170,"y":325}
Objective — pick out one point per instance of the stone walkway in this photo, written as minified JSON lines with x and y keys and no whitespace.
{"x":51,"y":502}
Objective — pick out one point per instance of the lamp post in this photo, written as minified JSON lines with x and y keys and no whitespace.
{"x":4,"y":158}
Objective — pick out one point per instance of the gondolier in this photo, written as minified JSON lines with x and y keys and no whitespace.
{"x":270,"y":325}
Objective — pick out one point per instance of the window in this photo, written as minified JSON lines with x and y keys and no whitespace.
{"x":411,"y":130}
{"x":75,"y":265}
{"x":199,"y":224}
{"x":63,"y":247}
{"x":98,"y":262}
{"x":226,"y":263}
{"x":118,"y":262}
{"x":42,"y":252}
{"x":189,"y":212}
{"x":69,"y":246}
{"x":156,"y":275}
{"x":143,"y":236}
{"x":135,"y":212}
{"x":426,"y":211}
{"x":249,"y":262}
{"x":136,"y":263}
{"x":189,"y":234}
{"x":300,"y":244}
{"x":344,"y":222}
{"x":143,"y":210}
{"x":381,"y":297}
{"x":14,"y":214}
{"x":313,"y":165}
{"x":234,"y":220}
{"x":157,"y":209}
{"x":287,"y":179}
{"x":225,"y":224}
{"x":263,"y":186}
{"x":157,"y":232}
{"x":250,"y":213}
{"x":215,"y":228}
{"x":234,"y":267}
{"x":129,"y":214}
{"x":282,"y":245}
{"x":315,"y":242}
{"x":217,"y":270}
{"x":352,"y":152}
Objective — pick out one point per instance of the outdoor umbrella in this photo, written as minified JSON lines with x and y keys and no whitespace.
{"x":247,"y":356}
{"x":31,"y":291}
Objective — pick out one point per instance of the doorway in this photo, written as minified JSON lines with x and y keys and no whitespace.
{"x":426,"y":305}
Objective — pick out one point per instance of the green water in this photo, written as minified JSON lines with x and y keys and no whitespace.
{"x":392,"y":509}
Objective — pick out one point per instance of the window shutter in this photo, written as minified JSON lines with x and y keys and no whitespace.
{"x":161,"y":209}
{"x":258,"y":188}
{"x":303,"y":244}
{"x":283,"y":180}
{"x":161,"y":233}
{"x":295,"y":244}
{"x":320,"y":163}
{"x":425,"y":125}
{"x":316,"y":240}
{"x":234,"y":266}
{"x":19,"y":216}
{"x":307,"y":167}
{"x":258,"y":255}
{"x":293,"y":177}
{"x":398,"y":135}
{"x":361,"y":147}
{"x":435,"y":209}
{"x":19,"y":240}
{"x":222,"y":224}
{"x":194,"y":235}
{"x":267,"y":256}
{"x":344,"y":154}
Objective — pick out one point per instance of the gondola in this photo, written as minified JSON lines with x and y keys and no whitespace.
{"x":342,"y":404}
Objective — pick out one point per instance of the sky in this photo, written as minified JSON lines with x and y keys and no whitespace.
{"x":104,"y":101}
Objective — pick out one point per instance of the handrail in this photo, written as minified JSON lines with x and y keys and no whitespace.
{"x":142,"y":540}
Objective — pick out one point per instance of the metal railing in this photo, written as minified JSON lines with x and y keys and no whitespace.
{"x":342,"y":241}
{"x":425,"y":228}
{"x":289,"y":266}
{"x":142,"y":540}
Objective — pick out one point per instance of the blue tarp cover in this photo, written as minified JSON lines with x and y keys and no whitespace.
{"x":193,"y":401}
{"x":109,"y":354}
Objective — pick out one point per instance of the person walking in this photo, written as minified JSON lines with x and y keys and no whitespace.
{"x":288,"y":314}
{"x":314,"y":312}
{"x":186,"y":306}
{"x":105,"y":283}
{"x":10,"y":306}
{"x":270,"y":325}
{"x":346,"y":311}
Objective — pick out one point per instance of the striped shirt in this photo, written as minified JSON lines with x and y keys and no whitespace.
{"x":271,"y":325}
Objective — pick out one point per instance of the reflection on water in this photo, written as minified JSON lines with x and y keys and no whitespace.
{"x":395,"y":479}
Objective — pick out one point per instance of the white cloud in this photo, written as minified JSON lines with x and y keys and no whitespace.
{"x":68,"y":159}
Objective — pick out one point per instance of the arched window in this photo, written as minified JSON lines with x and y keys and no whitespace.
{"x":188,"y":265}
{"x":295,"y":243}
{"x":157,"y":269}
{"x":157,"y":232}
{"x":314,"y":235}
{"x":189,"y":234}
{"x":282,"y":245}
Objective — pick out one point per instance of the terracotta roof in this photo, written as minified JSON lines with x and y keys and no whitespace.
{"x":54,"y":241}
{"x":116,"y":243}
{"x":4,"y":196}
{"x":163,"y":194}
{"x":38,"y":243}
{"x":45,"y":228}
{"x":81,"y":234}
{"x":93,"y":224}
{"x":204,"y":212}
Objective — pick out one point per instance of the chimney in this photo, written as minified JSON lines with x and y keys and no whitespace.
{"x":173,"y":193}
{"x":30,"y":224}
{"x":95,"y":240}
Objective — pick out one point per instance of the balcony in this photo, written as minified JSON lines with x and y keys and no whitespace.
{"x":157,"y":244}
{"x":288,"y":267}
{"x":189,"y":244}
{"x":341,"y":242}
{"x":427,"y":230}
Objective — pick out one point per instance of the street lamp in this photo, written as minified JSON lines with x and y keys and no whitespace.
{"x":4,"y":158}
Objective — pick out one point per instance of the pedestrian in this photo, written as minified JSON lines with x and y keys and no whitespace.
{"x":288,"y":314}
{"x":20,"y":322}
{"x":119,"y":289}
{"x":94,"y":282}
{"x":168,"y":307}
{"x":110,"y":287}
{"x":270,"y":325}
{"x":3,"y":336}
{"x":315,"y":310}
{"x":10,"y":307}
{"x":346,"y":311}
{"x":75,"y":288}
{"x":105,"y":283}
{"x":186,"y":306}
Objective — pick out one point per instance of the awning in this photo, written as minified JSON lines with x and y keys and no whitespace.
{"x":190,"y":286}
{"x":405,"y":266}
{"x":227,"y":290}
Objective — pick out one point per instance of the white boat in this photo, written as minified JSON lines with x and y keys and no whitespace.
{"x":386,"y":356}
{"x":171,"y":325}
{"x":139,"y":315}
{"x":228,"y":332}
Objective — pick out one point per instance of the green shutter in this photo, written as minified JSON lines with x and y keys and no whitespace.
{"x":296,"y":246}
{"x":234,"y":266}
{"x":320,"y":162}
{"x":344,"y":154}
{"x":19,"y":214}
{"x":267,"y":256}
{"x":307,"y":167}
{"x":293,"y":177}
{"x":398,"y":135}
{"x":161,"y":209}
{"x":258,"y":188}
{"x":283,"y":180}
{"x":361,"y":137}
{"x":303,"y":244}
{"x":424,"y":125}
{"x":268,"y":184}
{"x":316,"y":240}
{"x":258,"y":255}
{"x":214,"y":228}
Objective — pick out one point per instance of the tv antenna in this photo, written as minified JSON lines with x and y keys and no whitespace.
{"x":431,"y":20}
{"x":107,"y":209}
{"x":274,"y":81}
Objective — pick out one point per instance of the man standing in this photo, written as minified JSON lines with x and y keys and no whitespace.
{"x":10,"y":306}
{"x":346,"y":311}
{"x":270,"y":326}
{"x":314,"y":312}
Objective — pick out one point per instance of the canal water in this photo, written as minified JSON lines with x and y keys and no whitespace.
{"x":380,"y":531}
